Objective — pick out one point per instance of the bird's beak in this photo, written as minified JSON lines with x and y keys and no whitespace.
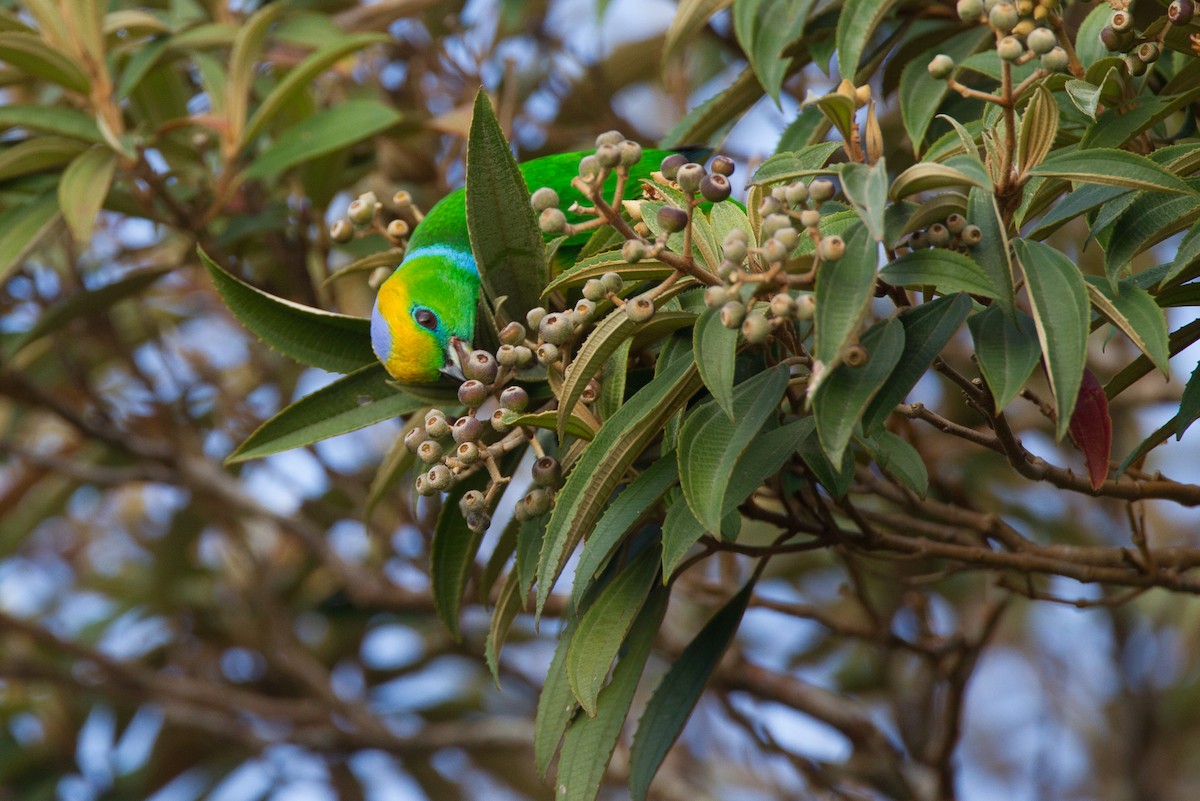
{"x":456,"y":356}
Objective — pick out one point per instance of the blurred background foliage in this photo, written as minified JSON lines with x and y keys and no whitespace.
{"x":172,"y":629}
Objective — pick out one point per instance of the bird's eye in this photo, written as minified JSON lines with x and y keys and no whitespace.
{"x":426,"y":319}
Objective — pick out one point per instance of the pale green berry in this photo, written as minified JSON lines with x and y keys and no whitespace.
{"x":1041,"y":41}
{"x":774,"y":222}
{"x":831,"y":248}
{"x":546,"y":472}
{"x":499,"y":421}
{"x":514,"y":398}
{"x":970,"y":10}
{"x":613,"y":282}
{"x":1004,"y":17}
{"x":589,"y":168}
{"x":789,"y":237}
{"x":481,"y":366}
{"x":396,"y":231}
{"x":593,"y":290}
{"x":439,"y":478}
{"x":362,"y":209}
{"x":507,"y":355}
{"x":783,"y":305}
{"x":1010,"y":48}
{"x":436,"y":426}
{"x":639,"y":309}
{"x":821,"y":190}
{"x":472,"y":502}
{"x":552,"y":221}
{"x":631,"y":153}
{"x":810,"y":219}
{"x":972,"y":235}
{"x":956,"y":223}
{"x":609,"y":156}
{"x":734,"y":251}
{"x":609,"y":138}
{"x":689,"y":177}
{"x":756,"y":328}
{"x":533,"y":317}
{"x":715,"y":296}
{"x":547,"y":354}
{"x":342,"y":231}
{"x":544,"y":198}
{"x":473,"y":393}
{"x":796,"y":194}
{"x":806,"y":306}
{"x":1056,"y":60}
{"x":939,"y":235}
{"x":467,"y":428}
{"x":769,"y":205}
{"x":414,"y":438}
{"x":524,"y":356}
{"x":634,"y":250}
{"x":774,"y":251}
{"x":467,"y":453}
{"x":584,"y":309}
{"x":429,"y":451}
{"x":732,"y":314}
{"x":941,"y":67}
{"x":555,"y":328}
{"x":422,"y":486}
{"x":538,"y":502}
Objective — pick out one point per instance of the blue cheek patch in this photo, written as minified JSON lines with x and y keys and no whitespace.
{"x":381,"y":335}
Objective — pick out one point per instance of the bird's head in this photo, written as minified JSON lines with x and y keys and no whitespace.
{"x":424,"y":317}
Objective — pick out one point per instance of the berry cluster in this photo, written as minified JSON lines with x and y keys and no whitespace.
{"x":954,"y":233}
{"x":365,"y":215}
{"x":1023,"y":32}
{"x":1118,"y":35}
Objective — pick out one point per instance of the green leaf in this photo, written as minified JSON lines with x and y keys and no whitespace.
{"x":243,"y":62}
{"x":600,"y":344}
{"x":895,"y":455}
{"x":856,"y":23}
{"x":325,"y":132}
{"x":843,"y":295}
{"x":921,"y":95}
{"x":590,"y":741}
{"x":556,"y":703}
{"x":1109,"y":167}
{"x":841,"y":399}
{"x":948,"y":270}
{"x":867,"y":189}
{"x":715,"y":347}
{"x":927,"y":329}
{"x":712,"y":119}
{"x":604,"y":626}
{"x":628,"y":509}
{"x":766,"y":29}
{"x":836,"y":480}
{"x":993,"y":252}
{"x":617,"y":445}
{"x":1134,"y":311}
{"x":22,"y":227}
{"x":505,"y":237}
{"x":332,"y":342}
{"x":679,"y":690}
{"x":808,"y":160}
{"x":394,"y":466}
{"x":927,"y":175}
{"x":839,"y":109}
{"x":30,"y":54}
{"x":41,"y":153}
{"x":508,"y":603}
{"x":362,"y":398}
{"x":1007,"y":349}
{"x":1151,"y":218}
{"x":1039,"y":127}
{"x":691,"y":17}
{"x":548,"y":420}
{"x":711,"y":444}
{"x":83,"y":188}
{"x":1058,"y":297}
{"x":85,"y":303}
{"x":1088,"y":45}
{"x":601,"y":263}
{"x":302,"y":75}
{"x":56,"y":120}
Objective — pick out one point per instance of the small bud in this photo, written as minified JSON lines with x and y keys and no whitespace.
{"x":478,"y":523}
{"x":396,"y":231}
{"x":481,"y":366}
{"x":821,"y":190}
{"x":723,"y":165}
{"x":756,"y":328}
{"x":715,"y":188}
{"x":555,"y":328}
{"x":552,"y":221}
{"x":429,"y":452}
{"x":507,"y":355}
{"x":789,"y":237}
{"x":414,"y":438}
{"x":774,"y":222}
{"x":1056,"y":60}
{"x":513,"y":333}
{"x":831,"y":248}
{"x":639,"y":309}
{"x":467,"y":453}
{"x":422,"y":486}
{"x":499,"y":421}
{"x":970,"y":10}
{"x":593,"y":289}
{"x":609,"y":138}
{"x":514,"y":398}
{"x":783,"y":305}
{"x":810,"y":219}
{"x":671,"y":164}
{"x":634,"y":250}
{"x":341,"y":231}
{"x":769,"y":205}
{"x":613,"y":282}
{"x":472,"y":393}
{"x":806,"y":307}
{"x":1121,"y":21}
{"x":402,"y":201}
{"x":672,"y":219}
{"x":1181,"y":12}
{"x":467,"y":428}
{"x":547,"y":354}
{"x":732,"y":314}
{"x":584,"y":310}
{"x":436,"y":426}
{"x":609,"y":156}
{"x":956,"y":223}
{"x":547,"y":472}
{"x":774,"y":251}
{"x":1004,"y":17}
{"x":472,"y":502}
{"x":939,"y":235}
{"x":941,"y":67}
{"x":439,"y":478}
{"x":689,"y":177}
{"x":734,"y":251}
{"x":589,"y":168}
{"x":1010,"y":48}
{"x":533,"y":317}
{"x":631,"y":153}
{"x":1041,"y":41}
{"x":1148,"y":52}
{"x":362,"y":209}
{"x":524,"y":356}
{"x":856,"y":355}
{"x":796,"y":194}
{"x":537,"y":502}
{"x":716,"y":296}
{"x":544,"y":198}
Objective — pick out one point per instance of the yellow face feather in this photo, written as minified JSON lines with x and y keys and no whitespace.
{"x":415,"y":351}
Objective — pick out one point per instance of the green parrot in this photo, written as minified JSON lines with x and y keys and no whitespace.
{"x":425,"y":310}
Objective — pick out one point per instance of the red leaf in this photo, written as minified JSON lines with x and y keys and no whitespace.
{"x":1091,"y":428}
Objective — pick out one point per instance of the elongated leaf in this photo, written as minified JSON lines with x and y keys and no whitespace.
{"x":301,"y":76}
{"x":620,"y":517}
{"x":843,"y":294}
{"x":993,"y":253}
{"x":1058,"y":296}
{"x":22,"y":228}
{"x":1091,"y":428}
{"x":604,"y":626}
{"x":590,"y":741}
{"x":85,"y":303}
{"x":766,"y":29}
{"x":83,"y":188}
{"x":556,"y":703}
{"x":867,"y":188}
{"x":921,"y":95}
{"x":1039,"y":126}
{"x":507,"y":605}
{"x":690,"y":19}
{"x":840,"y":401}
{"x":1151,"y":218}
{"x":895,"y":455}
{"x":600,"y":344}
{"x":602,"y":263}
{"x":30,"y":54}
{"x":856,"y":23}
{"x":38,"y":154}
{"x":1134,"y":311}
{"x":57,"y":120}
{"x":325,"y":132}
{"x":1109,"y":167}
{"x":927,"y":329}
{"x":548,"y":420}
{"x":504,"y":232}
{"x":1007,"y":349}
{"x":947,"y":270}
{"x":794,"y":164}
{"x":362,"y":398}
{"x":677,"y":693}
{"x":711,"y":120}
{"x":1189,"y":406}
{"x":925,"y":176}
{"x":619,"y":442}
{"x":333,"y":342}
{"x":715,"y":347}
{"x":247,"y":46}
{"x":395,"y":464}
{"x":835,"y":480}
{"x":711,"y":444}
